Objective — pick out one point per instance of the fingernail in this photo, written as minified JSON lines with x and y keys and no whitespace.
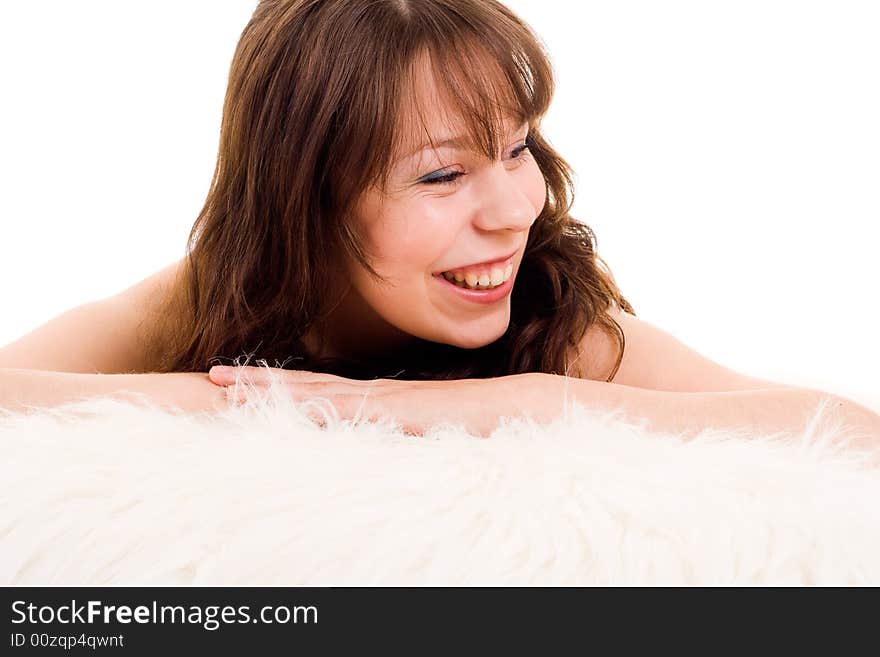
{"x":221,"y":369}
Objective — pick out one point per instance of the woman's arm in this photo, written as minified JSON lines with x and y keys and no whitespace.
{"x":656,"y":359}
{"x":21,"y":389}
{"x":686,"y":414}
{"x":479,"y":404}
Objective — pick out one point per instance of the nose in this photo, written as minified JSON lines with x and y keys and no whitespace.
{"x":503,"y":201}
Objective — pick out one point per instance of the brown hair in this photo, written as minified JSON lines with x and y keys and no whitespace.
{"x":310,"y":121}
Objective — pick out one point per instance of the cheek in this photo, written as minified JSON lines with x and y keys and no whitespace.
{"x":535,"y":186}
{"x":413,"y":238}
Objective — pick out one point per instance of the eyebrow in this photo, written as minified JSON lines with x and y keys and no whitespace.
{"x":459,"y":142}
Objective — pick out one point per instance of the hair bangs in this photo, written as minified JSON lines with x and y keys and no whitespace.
{"x":481,"y":96}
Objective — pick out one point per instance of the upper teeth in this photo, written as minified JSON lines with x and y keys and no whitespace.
{"x":490,"y":277}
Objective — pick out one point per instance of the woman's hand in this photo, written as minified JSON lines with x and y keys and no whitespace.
{"x":477,"y":404}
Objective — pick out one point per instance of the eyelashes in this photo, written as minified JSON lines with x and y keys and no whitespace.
{"x":519,"y":153}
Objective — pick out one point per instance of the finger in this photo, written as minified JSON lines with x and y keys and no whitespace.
{"x":249,"y":392}
{"x":225,"y":375}
{"x":221,"y":375}
{"x":327,"y":408}
{"x":234,"y":397}
{"x":217,"y":379}
{"x":240,"y":395}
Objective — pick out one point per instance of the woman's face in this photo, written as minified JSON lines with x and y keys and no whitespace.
{"x":445,"y":210}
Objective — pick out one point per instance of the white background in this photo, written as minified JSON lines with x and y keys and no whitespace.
{"x":727,"y":157}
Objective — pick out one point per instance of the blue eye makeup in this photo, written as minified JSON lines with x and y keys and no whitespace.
{"x":449,"y":177}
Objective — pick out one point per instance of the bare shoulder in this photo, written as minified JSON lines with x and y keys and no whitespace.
{"x":599,"y":350}
{"x":654,"y":358}
{"x":144,"y":303}
{"x":147,"y":294}
{"x":107,"y":336}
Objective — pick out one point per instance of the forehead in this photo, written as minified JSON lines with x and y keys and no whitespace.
{"x":430,"y":111}
{"x":427,"y":109}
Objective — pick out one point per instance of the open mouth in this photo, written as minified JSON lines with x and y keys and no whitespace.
{"x":487,"y":280}
{"x":479,"y":293}
{"x":481,"y":277}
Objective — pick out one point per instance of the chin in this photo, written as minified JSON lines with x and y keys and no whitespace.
{"x":476,"y":341}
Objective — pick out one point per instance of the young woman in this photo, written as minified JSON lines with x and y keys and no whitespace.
{"x":386,"y":217}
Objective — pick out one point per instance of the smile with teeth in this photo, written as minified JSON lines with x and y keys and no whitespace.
{"x":480,"y":278}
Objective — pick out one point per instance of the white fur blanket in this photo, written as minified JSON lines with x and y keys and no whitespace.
{"x":107,"y":492}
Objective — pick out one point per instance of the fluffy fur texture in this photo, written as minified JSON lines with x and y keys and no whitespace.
{"x":108,"y":492}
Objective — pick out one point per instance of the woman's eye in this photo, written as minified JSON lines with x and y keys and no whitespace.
{"x":445,"y":178}
{"x":520,"y":151}
{"x":452,"y":176}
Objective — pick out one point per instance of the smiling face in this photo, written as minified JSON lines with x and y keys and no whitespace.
{"x":442,"y":209}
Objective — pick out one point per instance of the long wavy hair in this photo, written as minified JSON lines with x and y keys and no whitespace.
{"x":316,"y":94}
